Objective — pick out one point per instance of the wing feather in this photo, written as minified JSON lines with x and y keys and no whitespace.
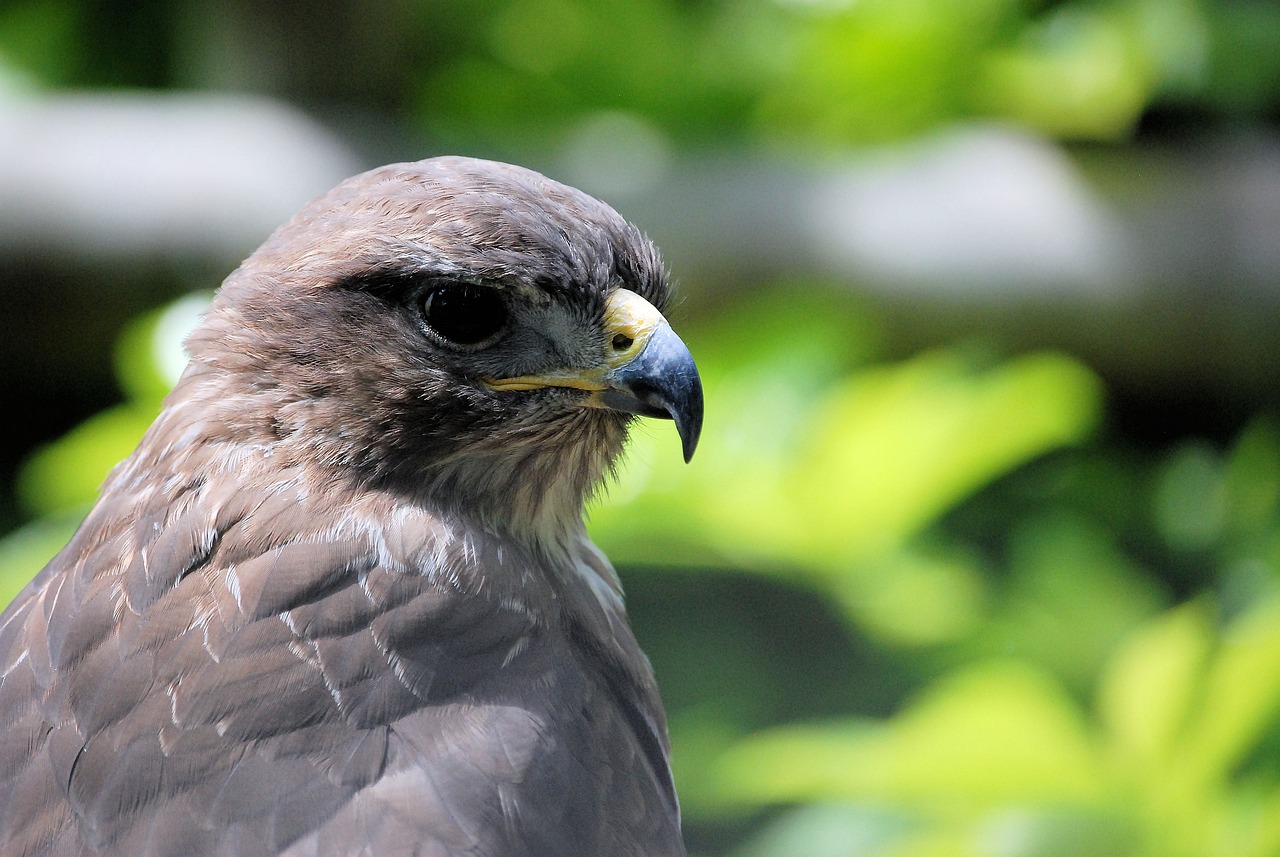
{"x":242,"y":691}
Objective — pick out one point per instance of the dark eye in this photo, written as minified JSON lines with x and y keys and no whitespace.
{"x":464,"y":314}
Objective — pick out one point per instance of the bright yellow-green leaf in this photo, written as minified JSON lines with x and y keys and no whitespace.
{"x":994,"y":733}
{"x":1241,"y":694}
{"x":1081,"y":74}
{"x":67,"y":473}
{"x":1151,"y":684}
{"x":897,"y":446}
{"x":914,"y":597}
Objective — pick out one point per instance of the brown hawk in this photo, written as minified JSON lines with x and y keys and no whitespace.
{"x":341,"y":600}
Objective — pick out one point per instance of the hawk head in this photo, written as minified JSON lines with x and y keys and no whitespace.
{"x":466,"y":333}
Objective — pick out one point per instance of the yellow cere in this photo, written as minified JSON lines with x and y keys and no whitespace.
{"x":629,"y":317}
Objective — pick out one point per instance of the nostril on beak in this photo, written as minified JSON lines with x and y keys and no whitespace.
{"x":621,"y":342}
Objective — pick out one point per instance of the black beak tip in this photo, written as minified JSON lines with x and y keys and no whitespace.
{"x":687,"y":415}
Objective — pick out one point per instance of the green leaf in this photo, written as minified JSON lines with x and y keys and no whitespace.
{"x":66,"y":474}
{"x":1241,"y":695}
{"x":1072,"y":595}
{"x":1081,"y":72}
{"x":1152,"y":684}
{"x":915,"y":596}
{"x":994,"y":733}
{"x":897,"y":446}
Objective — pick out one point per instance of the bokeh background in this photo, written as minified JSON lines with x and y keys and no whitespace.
{"x":980,"y":554}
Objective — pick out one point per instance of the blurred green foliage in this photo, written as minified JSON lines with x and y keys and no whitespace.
{"x":524,"y":75}
{"x":835,"y":73}
{"x":997,"y":758}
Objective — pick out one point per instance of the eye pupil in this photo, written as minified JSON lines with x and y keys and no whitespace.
{"x":464,"y":314}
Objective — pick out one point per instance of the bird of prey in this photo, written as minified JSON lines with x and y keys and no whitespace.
{"x":341,"y":600}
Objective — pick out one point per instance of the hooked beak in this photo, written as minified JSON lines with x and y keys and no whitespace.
{"x":647,"y":370}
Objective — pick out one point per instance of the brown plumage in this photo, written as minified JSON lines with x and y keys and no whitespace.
{"x":340,"y":601}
